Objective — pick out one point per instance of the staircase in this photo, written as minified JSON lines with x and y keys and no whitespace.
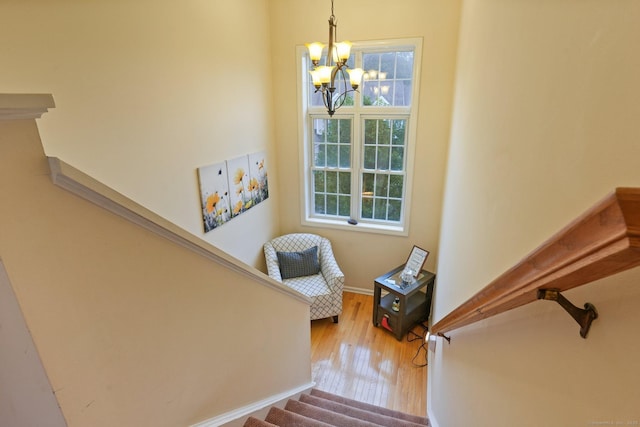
{"x":322,"y":409}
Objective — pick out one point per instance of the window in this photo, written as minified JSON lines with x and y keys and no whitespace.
{"x":357,"y":164}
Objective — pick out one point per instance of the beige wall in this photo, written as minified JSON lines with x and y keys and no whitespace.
{"x":27,"y":398}
{"x":147,"y":92}
{"x":132,"y":329}
{"x":363,"y":256}
{"x":544,"y":125}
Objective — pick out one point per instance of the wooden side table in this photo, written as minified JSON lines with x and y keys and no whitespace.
{"x":415,"y":304}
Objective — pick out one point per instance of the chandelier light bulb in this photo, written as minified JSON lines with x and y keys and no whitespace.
{"x":355,"y":77}
{"x":324,"y":73}
{"x":315,"y":78}
{"x":343,"y":50}
{"x":315,"y":51}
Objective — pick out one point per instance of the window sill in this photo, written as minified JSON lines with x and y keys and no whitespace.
{"x":359,"y":227}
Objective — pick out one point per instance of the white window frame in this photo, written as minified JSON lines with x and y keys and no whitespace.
{"x":308,"y":218}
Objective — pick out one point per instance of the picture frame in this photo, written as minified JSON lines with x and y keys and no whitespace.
{"x":416,"y":260}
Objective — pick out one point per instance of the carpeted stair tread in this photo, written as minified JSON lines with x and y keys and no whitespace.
{"x":370,"y":408}
{"x":362,"y":414}
{"x":325,"y":415}
{"x":255,"y":422}
{"x":283,"y":418}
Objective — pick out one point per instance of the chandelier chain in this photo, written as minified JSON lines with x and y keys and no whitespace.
{"x":332,"y":20}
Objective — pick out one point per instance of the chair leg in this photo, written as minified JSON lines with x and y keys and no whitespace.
{"x":335,"y":319}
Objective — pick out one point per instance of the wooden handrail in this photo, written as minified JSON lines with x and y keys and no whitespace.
{"x":603,"y":241}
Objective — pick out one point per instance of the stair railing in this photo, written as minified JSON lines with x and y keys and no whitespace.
{"x":603,"y":241}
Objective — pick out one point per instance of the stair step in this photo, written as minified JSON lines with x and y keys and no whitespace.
{"x":256,"y":422}
{"x":283,"y":418}
{"x":325,"y":415}
{"x":322,"y":409}
{"x":371,"y":408}
{"x":354,"y":412}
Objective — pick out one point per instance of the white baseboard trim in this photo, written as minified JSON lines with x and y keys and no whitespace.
{"x":358,"y":290}
{"x":246,"y":411}
{"x":432,"y":418}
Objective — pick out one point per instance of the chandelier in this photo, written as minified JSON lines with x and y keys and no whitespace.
{"x":324,"y":76}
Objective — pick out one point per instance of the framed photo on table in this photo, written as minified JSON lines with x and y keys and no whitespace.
{"x":416,"y":260}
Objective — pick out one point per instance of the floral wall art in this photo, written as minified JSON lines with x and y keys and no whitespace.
{"x":258,"y":172}
{"x":227,"y":189}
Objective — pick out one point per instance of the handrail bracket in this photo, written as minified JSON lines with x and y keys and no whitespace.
{"x":448,"y":338}
{"x":584,"y":317}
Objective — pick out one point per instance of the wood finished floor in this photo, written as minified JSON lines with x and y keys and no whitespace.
{"x":357,"y":360}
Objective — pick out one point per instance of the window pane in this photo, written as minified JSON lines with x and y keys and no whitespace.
{"x":398,"y":132}
{"x":383,"y":158}
{"x":370,"y":131}
{"x":380,"y":209}
{"x":382,"y":185}
{"x":332,"y":182}
{"x":319,"y":155}
{"x":404,"y":65}
{"x":368,"y":180}
{"x":345,"y":131}
{"x":402,"y":93}
{"x":345,"y":156}
{"x":332,"y":155}
{"x":384,"y":131}
{"x":388,"y":66}
{"x":369,"y":157}
{"x":371,"y":63}
{"x":332,"y":205}
{"x":332,"y":130}
{"x":319,"y":204}
{"x":367,"y":90}
{"x":319,"y":127}
{"x":395,"y":210}
{"x":344,"y":205}
{"x":397,"y":158}
{"x":367,"y":208}
{"x":344,"y":184}
{"x":318,"y":181}
{"x":396,"y":186}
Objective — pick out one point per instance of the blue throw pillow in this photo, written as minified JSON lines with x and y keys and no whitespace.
{"x":297,"y":264}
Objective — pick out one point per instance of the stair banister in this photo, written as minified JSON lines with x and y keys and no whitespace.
{"x":603,"y":241}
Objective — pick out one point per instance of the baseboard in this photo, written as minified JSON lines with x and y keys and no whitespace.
{"x":238,"y":416}
{"x":358,"y":290}
{"x":432,"y":418}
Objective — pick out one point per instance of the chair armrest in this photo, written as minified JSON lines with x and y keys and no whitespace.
{"x":329,"y":267}
{"x":273,"y":268}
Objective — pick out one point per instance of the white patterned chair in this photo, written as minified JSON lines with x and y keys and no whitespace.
{"x":292,"y":256}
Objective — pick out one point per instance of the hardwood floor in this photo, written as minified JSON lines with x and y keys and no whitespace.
{"x":357,"y":360}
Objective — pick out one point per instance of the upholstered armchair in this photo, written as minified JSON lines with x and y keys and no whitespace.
{"x":305,"y":262}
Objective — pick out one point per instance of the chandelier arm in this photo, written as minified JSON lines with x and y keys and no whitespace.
{"x":327,"y":100}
